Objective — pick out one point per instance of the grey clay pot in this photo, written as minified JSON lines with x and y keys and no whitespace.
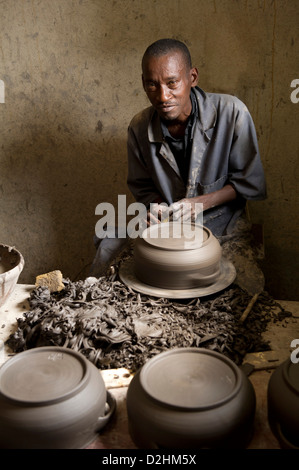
{"x":283,"y":404}
{"x":51,"y":398}
{"x":164,"y":257}
{"x":190,"y":398}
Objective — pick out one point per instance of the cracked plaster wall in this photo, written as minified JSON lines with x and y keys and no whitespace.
{"x":71,"y":70}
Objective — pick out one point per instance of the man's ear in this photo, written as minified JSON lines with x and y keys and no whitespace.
{"x":194,"y":76}
{"x":142,"y":78}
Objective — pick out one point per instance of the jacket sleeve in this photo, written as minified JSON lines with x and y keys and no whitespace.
{"x":139,"y":182}
{"x":246,"y":172}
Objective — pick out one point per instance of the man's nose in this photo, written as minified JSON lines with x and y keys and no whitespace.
{"x":163,"y":94}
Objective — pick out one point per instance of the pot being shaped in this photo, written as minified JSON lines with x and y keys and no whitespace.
{"x":177,"y":256}
{"x":190,"y":398}
{"x":283,"y":404}
{"x":51,"y":398}
{"x":11,"y":266}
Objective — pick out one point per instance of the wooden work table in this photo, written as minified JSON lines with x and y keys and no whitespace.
{"x":115,"y":435}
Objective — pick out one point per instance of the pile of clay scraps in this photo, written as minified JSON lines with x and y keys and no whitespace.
{"x":114,"y":326}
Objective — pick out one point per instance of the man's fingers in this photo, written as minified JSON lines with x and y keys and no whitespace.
{"x":182,"y":211}
{"x":152,"y":219}
{"x":159,"y":211}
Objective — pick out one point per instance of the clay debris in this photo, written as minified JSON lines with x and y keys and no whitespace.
{"x":115,"y":327}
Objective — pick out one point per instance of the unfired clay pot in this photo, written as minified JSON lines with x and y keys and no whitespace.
{"x":190,"y":398}
{"x":283,"y":404}
{"x":51,"y":398}
{"x":177,"y":261}
{"x":11,"y":266}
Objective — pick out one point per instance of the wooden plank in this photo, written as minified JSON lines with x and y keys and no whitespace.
{"x":117,"y":378}
{"x":267,"y":359}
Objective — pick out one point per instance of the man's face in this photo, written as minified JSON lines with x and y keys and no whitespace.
{"x":167,"y":82}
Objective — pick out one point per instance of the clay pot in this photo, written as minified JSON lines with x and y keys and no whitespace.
{"x":51,"y":398}
{"x":169,"y":257}
{"x":283,"y":404}
{"x":190,"y":398}
{"x":11,"y":265}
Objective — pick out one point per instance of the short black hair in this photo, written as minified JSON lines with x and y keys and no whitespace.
{"x":164,"y":46}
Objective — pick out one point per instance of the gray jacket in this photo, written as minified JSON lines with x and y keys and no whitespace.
{"x":224,"y":151}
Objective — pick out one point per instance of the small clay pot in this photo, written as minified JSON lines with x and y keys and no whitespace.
{"x":190,"y":398}
{"x":51,"y":398}
{"x":283,"y":404}
{"x":171,"y":257}
{"x":11,"y":266}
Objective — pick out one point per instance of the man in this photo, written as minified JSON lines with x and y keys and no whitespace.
{"x":192,"y":149}
{"x":190,"y":146}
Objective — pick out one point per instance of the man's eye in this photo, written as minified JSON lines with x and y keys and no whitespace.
{"x":172,"y":83}
{"x":151,"y":86}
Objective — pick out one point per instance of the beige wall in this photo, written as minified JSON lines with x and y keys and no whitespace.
{"x":71,"y":70}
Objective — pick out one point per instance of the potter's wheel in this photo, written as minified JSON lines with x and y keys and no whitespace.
{"x":226,"y":277}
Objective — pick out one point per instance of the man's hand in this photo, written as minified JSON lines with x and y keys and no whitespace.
{"x":186,"y":209}
{"x":189,"y":209}
{"x":157,"y":213}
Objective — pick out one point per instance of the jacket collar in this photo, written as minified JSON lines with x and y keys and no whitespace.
{"x":207,"y":116}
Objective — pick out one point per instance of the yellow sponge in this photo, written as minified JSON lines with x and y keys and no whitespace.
{"x":52,"y":280}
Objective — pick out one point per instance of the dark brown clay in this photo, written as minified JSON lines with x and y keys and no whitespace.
{"x":190,"y":398}
{"x":177,"y":262}
{"x":51,"y":398}
{"x":283,"y":404}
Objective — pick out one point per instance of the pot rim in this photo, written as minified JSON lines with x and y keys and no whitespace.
{"x":10,"y":273}
{"x":48,"y":401}
{"x":167,"y":248}
{"x":216,"y":404}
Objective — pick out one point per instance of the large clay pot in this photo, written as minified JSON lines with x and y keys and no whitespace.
{"x":283,"y":404}
{"x":51,"y":398}
{"x":190,"y":398}
{"x":166,"y":260}
{"x":11,"y":266}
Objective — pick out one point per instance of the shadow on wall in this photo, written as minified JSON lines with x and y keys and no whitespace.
{"x":51,"y":186}
{"x":281,"y":273}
